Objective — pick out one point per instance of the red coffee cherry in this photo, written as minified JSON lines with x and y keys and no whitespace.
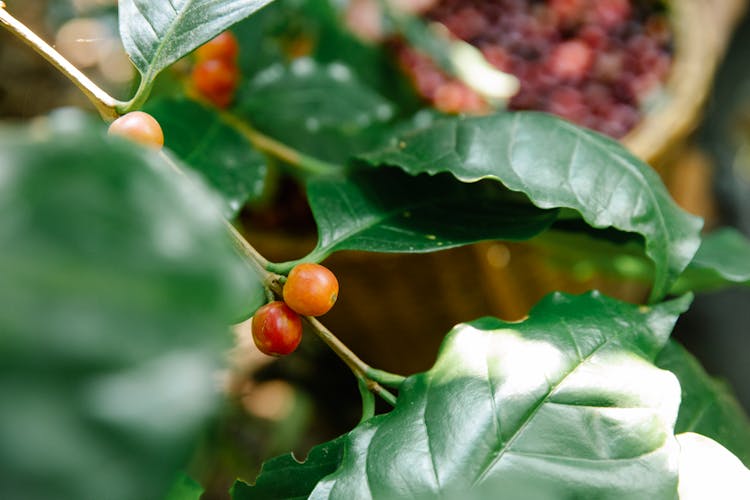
{"x":277,"y":330}
{"x":216,"y":80}
{"x":139,"y":127}
{"x":311,"y":289}
{"x":224,"y":46}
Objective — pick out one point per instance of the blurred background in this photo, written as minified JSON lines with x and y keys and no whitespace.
{"x":289,"y":403}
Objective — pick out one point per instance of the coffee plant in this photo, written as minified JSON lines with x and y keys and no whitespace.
{"x":123,"y":266}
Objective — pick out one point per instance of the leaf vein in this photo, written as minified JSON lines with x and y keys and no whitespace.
{"x":486,"y":469}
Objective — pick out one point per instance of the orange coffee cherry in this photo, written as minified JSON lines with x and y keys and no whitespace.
{"x":224,"y":46}
{"x":139,"y":127}
{"x":216,"y":80}
{"x":311,"y":289}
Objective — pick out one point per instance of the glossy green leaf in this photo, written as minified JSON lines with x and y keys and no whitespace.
{"x":156,"y":33}
{"x":285,"y":477}
{"x":557,"y":164}
{"x":118,"y":285}
{"x":722,"y":259}
{"x":566,"y":404}
{"x":708,"y":405}
{"x":390,"y":211}
{"x":322,"y":110}
{"x":211,"y":146}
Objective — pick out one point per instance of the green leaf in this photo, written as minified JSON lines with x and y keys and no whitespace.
{"x":723,"y":258}
{"x":708,"y":405}
{"x":566,"y":404}
{"x":557,"y":164}
{"x":157,"y":33}
{"x":285,"y":477}
{"x":226,"y":158}
{"x":322,"y":110}
{"x":390,"y":211}
{"x":118,"y":285}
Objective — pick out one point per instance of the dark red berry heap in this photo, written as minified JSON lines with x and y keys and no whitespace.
{"x":594,"y":62}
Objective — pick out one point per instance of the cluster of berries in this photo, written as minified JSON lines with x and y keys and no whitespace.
{"x":216,"y":74}
{"x":309,"y":290}
{"x":593,"y":62}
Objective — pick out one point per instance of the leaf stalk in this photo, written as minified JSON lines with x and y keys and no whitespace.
{"x":279,"y":150}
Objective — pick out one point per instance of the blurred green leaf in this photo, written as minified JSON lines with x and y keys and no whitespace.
{"x":722,"y":259}
{"x":389,"y":211}
{"x":184,"y":488}
{"x":708,"y":405}
{"x":322,"y":110}
{"x":157,"y":33}
{"x":566,"y":404}
{"x":262,"y":36}
{"x":118,"y":285}
{"x":226,"y":158}
{"x":557,"y":164}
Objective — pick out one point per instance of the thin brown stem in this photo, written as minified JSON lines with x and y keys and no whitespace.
{"x":104,"y":103}
{"x":353,"y":361}
{"x":247,"y":249}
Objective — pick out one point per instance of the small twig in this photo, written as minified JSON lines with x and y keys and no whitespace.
{"x":247,"y":248}
{"x":353,"y":361}
{"x":104,"y":103}
{"x":360,"y":369}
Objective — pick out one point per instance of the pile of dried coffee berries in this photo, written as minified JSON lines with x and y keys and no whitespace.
{"x":593,"y":62}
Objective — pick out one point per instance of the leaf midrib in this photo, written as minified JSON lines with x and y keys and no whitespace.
{"x":489,"y":466}
{"x":148,"y":77}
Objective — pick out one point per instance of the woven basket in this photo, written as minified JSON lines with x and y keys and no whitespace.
{"x":394,"y":309}
{"x":702,"y":29}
